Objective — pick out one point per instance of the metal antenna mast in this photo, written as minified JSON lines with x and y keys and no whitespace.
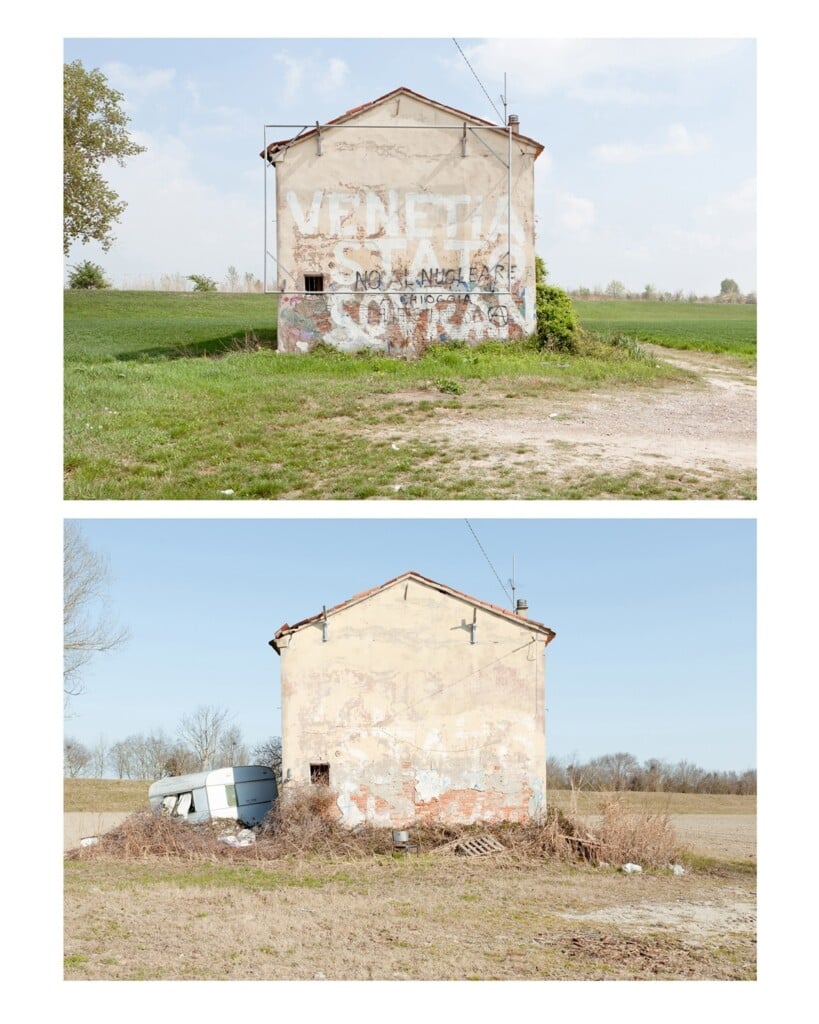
{"x":512,"y":584}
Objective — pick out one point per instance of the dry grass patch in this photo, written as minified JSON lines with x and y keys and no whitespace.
{"x":305,"y":823}
{"x":310,"y":899}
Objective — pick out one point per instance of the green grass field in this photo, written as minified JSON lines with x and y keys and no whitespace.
{"x":181,"y":396}
{"x":706,"y":327}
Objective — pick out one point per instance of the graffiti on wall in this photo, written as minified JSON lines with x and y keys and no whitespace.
{"x":404,"y":270}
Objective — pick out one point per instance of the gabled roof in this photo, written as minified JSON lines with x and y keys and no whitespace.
{"x":519,"y":620}
{"x":274,"y":147}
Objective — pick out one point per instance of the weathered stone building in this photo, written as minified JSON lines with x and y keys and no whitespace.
{"x":403,"y":223}
{"x":416,"y":702}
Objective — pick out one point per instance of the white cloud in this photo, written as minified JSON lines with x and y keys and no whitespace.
{"x":177,"y":222}
{"x":334,"y":77}
{"x":575,"y":213}
{"x":678,"y":141}
{"x":137,"y":83}
{"x":294,"y":71}
{"x":591,"y":70}
{"x":741,"y":202}
{"x":310,"y":75}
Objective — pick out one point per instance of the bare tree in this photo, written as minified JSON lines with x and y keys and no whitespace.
{"x":86,"y":628}
{"x":76,"y":758}
{"x":99,"y":758}
{"x":269,"y":753}
{"x":232,"y":748}
{"x":614,"y":771}
{"x":202,"y":732}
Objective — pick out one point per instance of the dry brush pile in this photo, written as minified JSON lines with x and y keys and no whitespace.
{"x":305,"y":823}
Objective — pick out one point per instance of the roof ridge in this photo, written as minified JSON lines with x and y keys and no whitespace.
{"x":506,"y":613}
{"x":272,"y":147}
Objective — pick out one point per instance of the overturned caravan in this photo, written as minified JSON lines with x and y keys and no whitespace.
{"x":242,"y":793}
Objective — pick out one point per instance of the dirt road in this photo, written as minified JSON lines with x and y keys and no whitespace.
{"x":704,"y":425}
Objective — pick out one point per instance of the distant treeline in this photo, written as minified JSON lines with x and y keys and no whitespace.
{"x":618,"y":772}
{"x":729,"y":293}
{"x":204,"y":740}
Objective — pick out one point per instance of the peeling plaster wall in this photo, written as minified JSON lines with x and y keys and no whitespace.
{"x":410,"y":236}
{"x":415,"y":722}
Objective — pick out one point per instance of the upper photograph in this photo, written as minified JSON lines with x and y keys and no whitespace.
{"x":399,"y":269}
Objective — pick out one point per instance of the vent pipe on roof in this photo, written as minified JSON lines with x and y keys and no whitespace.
{"x":514,"y":124}
{"x":522,"y":607}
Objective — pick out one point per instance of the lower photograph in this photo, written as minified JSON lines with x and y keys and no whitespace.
{"x":444,"y":749}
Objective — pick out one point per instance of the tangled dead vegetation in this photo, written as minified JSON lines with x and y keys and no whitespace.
{"x":305,"y":823}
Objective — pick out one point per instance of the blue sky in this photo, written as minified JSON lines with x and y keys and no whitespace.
{"x":648,"y":175}
{"x":655,"y":620}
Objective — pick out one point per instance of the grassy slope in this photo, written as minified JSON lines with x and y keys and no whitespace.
{"x":708,"y":328}
{"x":100,"y":795}
{"x":147,"y":418}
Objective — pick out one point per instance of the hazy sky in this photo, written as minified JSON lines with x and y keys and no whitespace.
{"x":648,"y":176}
{"x":655,"y":620}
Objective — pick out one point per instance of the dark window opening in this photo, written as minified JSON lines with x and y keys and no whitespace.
{"x":314,"y":282}
{"x":320,"y":774}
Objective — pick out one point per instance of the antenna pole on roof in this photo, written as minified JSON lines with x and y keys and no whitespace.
{"x":512,"y":583}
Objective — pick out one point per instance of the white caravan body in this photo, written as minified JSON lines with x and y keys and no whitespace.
{"x":243,"y":793}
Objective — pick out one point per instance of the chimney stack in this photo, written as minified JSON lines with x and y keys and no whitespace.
{"x":522,"y":607}
{"x":514,"y":124}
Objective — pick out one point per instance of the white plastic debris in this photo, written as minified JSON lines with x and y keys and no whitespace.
{"x":631,"y":869}
{"x":553,"y":415}
{"x":244,"y":837}
{"x":395,"y":447}
{"x":678,"y":869}
{"x":89,"y":841}
{"x":229,"y":490}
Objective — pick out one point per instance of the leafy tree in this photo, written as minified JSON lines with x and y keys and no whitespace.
{"x":94,"y":130}
{"x":615,"y":289}
{"x":87,"y":275}
{"x":232,"y":278}
{"x":202,"y":283}
{"x":728,"y":287}
{"x":555,"y":315}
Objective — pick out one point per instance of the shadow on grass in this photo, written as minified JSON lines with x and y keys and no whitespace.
{"x":208,"y":348}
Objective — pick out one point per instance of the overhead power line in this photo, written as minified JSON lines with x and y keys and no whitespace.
{"x":492,"y":567}
{"x":480,"y":83}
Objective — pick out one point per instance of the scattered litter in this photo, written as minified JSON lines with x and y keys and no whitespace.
{"x":397,"y":487}
{"x":678,"y":869}
{"x":244,"y":837}
{"x":90,"y":841}
{"x":228,"y":491}
{"x":553,"y":415}
{"x":631,"y":869}
{"x":319,"y":976}
{"x":395,"y":448}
